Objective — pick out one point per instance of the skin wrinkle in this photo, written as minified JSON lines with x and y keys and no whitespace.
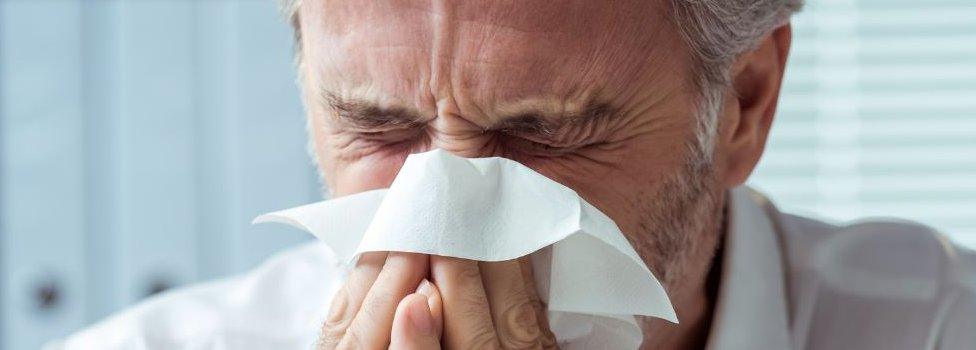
{"x":619,"y":165}
{"x":361,"y":116}
{"x":594,"y":64}
{"x":579,"y":130}
{"x":639,"y":164}
{"x":365,"y":115}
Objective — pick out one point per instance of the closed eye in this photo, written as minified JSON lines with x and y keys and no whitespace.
{"x":533,"y":146}
{"x":389,"y":136}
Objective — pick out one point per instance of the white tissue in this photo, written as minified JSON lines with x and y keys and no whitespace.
{"x":493,"y":209}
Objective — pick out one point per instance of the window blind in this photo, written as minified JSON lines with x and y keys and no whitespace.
{"x":878,"y":115}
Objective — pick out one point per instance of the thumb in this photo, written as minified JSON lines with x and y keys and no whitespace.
{"x":416,"y":324}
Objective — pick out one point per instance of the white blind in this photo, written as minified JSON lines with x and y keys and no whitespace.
{"x":878,"y":115}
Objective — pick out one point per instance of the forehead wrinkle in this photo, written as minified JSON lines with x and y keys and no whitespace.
{"x":624,"y":63}
{"x":480,"y":80}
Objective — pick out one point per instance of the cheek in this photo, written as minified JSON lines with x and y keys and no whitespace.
{"x":345,"y":174}
{"x":363,"y":174}
{"x":611,"y":190}
{"x":616,"y":181}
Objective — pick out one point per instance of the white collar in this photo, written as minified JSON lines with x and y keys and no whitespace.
{"x":751,"y":311}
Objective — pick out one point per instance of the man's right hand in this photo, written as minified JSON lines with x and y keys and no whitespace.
{"x":387,"y":302}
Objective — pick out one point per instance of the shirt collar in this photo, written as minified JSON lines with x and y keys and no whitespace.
{"x":751,"y":311}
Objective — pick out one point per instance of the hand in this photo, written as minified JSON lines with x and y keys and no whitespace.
{"x":490,"y":305}
{"x":386,"y":302}
{"x":418,"y":320}
{"x":380,"y":288}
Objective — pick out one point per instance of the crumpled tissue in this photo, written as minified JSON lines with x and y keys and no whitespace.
{"x":493,"y":209}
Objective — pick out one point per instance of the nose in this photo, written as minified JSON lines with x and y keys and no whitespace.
{"x":454,"y":133}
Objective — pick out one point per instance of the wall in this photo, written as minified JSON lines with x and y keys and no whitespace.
{"x":139,"y":138}
{"x":878,"y":115}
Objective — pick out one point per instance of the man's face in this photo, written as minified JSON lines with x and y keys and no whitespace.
{"x":597,"y":96}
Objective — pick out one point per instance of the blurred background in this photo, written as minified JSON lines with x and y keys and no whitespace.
{"x":139,"y":138}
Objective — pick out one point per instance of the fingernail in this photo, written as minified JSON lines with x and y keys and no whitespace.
{"x":426,"y":288}
{"x":420,"y":316}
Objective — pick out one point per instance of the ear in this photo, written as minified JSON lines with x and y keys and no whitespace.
{"x":749,"y":107}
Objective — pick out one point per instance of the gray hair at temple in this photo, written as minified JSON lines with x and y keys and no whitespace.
{"x":716,"y":31}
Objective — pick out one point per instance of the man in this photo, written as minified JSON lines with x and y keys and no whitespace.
{"x":655,"y":111}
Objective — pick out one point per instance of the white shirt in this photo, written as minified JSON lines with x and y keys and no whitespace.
{"x":787,"y":283}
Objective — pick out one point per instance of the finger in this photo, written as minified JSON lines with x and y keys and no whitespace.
{"x":347,"y":301}
{"x":511,"y":306}
{"x":434,"y":303}
{"x":370,"y":328}
{"x":413,"y":325}
{"x":548,"y":339}
{"x":467,"y":317}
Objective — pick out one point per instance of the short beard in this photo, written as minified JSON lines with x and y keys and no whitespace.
{"x":679,"y":221}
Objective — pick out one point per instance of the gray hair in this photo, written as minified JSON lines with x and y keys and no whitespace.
{"x":716,"y":31}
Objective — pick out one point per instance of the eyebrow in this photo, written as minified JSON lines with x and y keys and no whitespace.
{"x":366,"y":114}
{"x":535,"y":121}
{"x":369,"y":115}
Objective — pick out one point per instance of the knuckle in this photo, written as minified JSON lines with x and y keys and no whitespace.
{"x":327,"y":341}
{"x":329,"y":338}
{"x":472,"y":298}
{"x":368,"y":313}
{"x":378,"y":300}
{"x":521,"y":330}
{"x":405,"y":263}
{"x":468,"y":272}
{"x":324,"y":344}
{"x":340,"y":315}
{"x":483,"y":339}
{"x":548,"y":340}
{"x":351,"y":340}
{"x":518,"y":344}
{"x":521,"y":316}
{"x":511,"y":345}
